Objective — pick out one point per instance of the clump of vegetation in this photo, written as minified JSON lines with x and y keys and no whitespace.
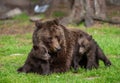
{"x":58,"y":14}
{"x":21,"y":17}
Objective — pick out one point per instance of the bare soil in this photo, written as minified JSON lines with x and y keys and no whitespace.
{"x":11,"y":27}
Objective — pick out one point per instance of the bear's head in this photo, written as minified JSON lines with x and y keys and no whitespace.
{"x":50,"y":34}
{"x":40,"y":52}
{"x":84,"y":44}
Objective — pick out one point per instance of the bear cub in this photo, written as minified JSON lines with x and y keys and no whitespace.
{"x":37,"y":61}
{"x":89,"y":54}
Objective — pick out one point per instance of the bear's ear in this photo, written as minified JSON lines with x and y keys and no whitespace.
{"x":56,"y":21}
{"x":90,"y":37}
{"x":36,"y":47}
{"x":81,"y":35}
{"x":38,"y":24}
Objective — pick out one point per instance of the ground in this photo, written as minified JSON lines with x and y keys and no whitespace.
{"x":15,"y":46}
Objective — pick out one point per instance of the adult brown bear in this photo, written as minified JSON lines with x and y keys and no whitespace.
{"x":60,"y":41}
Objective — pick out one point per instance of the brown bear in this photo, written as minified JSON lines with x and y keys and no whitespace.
{"x":58,"y":42}
{"x":37,"y":61}
{"x":81,"y":48}
{"x":61,"y":43}
{"x":89,"y":54}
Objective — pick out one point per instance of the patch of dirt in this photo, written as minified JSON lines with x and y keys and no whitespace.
{"x":1,"y":65}
{"x":1,"y":45}
{"x":18,"y":54}
{"x":91,"y":78}
{"x":16,"y":27}
{"x":113,"y":56}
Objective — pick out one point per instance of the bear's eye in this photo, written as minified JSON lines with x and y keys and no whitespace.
{"x":49,"y":38}
{"x":83,"y":46}
{"x":58,"y":37}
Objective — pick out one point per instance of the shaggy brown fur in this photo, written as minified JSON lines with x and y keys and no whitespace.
{"x":89,"y":54}
{"x":61,"y":43}
{"x":37,"y":61}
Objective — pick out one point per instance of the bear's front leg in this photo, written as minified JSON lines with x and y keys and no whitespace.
{"x":26,"y":68}
{"x":75,"y":63}
{"x":45,"y":68}
{"x":100,"y":54}
{"x":91,"y":61}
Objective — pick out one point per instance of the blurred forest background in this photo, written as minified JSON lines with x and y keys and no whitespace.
{"x":55,"y":5}
{"x":18,"y":15}
{"x":62,"y":8}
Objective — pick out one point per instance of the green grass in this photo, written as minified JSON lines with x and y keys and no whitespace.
{"x":58,"y":14}
{"x":15,"y":44}
{"x":23,"y":17}
{"x":108,"y":37}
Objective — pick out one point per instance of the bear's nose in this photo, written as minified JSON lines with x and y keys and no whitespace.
{"x":58,"y":49}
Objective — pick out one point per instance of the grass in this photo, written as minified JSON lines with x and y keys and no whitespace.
{"x":107,"y":36}
{"x":15,"y":44}
{"x":58,"y":14}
